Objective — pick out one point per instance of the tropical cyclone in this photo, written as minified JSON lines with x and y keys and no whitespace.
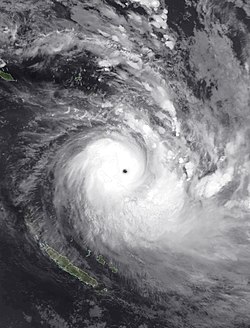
{"x":123,"y":186}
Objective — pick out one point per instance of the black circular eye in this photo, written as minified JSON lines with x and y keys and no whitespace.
{"x":124,"y":171}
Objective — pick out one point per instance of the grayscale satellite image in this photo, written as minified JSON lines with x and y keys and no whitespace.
{"x":125,"y":164}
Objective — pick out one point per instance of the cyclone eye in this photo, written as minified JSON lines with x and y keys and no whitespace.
{"x":124,"y":171}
